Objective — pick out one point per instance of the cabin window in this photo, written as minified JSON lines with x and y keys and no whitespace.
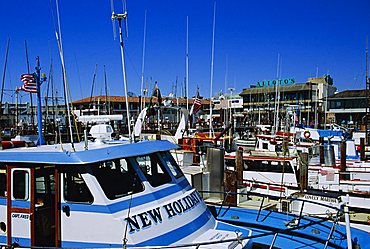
{"x":153,"y":170}
{"x":75,"y":188}
{"x":265,"y":146}
{"x":3,"y":182}
{"x":20,"y":185}
{"x":45,"y":184}
{"x":117,"y":178}
{"x":171,"y":164}
{"x":268,"y":166}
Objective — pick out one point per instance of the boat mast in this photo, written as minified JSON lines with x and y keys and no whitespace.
{"x":39,"y":79}
{"x":58,"y":34}
{"x":3,"y":80}
{"x":123,"y":17}
{"x":187,"y":63}
{"x":107,"y":104}
{"x":142,"y":66}
{"x":367,"y":80}
{"x":277,"y":97}
{"x":92,"y":87}
{"x":211,"y":84}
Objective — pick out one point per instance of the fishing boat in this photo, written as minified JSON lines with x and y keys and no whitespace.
{"x":112,"y":194}
{"x":101,"y":194}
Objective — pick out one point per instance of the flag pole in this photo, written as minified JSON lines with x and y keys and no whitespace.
{"x":40,"y":140}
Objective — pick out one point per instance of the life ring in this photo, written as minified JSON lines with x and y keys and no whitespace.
{"x":307,"y":134}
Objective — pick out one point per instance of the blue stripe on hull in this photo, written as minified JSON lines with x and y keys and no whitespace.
{"x":16,"y":203}
{"x":20,"y":204}
{"x":164,"y":239}
{"x":179,"y":233}
{"x":2,"y":240}
{"x":70,"y":244}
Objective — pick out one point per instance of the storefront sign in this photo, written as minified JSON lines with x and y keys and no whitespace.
{"x":268,"y":83}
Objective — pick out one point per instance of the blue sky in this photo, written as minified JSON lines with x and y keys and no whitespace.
{"x":311,"y":37}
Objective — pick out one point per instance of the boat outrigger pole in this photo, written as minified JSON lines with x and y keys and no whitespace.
{"x":39,"y":79}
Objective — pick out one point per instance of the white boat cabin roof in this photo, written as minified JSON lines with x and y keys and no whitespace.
{"x":95,"y":152}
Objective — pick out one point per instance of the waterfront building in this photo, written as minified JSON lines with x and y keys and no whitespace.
{"x":19,"y":115}
{"x":348,"y":108}
{"x":227,"y":109}
{"x":267,"y":102}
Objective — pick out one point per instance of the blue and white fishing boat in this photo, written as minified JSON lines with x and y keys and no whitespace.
{"x":102,"y":194}
{"x":114,"y":194}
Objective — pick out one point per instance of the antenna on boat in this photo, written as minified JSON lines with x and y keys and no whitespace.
{"x":123,"y":17}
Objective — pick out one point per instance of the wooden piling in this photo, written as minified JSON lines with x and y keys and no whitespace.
{"x":239,"y":166}
{"x":303,"y":171}
{"x":322,"y":158}
{"x":230,"y":188}
{"x":362,"y":149}
{"x":343,"y":161}
{"x":157,"y":136}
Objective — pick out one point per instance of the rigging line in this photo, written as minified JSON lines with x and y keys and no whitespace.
{"x":131,"y":62}
{"x":128,"y":214}
{"x":78,"y":75}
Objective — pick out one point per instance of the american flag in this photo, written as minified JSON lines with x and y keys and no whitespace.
{"x":29,"y":83}
{"x":196,"y":105}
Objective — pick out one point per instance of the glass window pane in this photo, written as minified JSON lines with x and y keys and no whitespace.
{"x":40,"y":185}
{"x":171,"y":164}
{"x":75,"y":188}
{"x":117,"y":178}
{"x":153,"y":170}
{"x":3,"y":182}
{"x":20,"y":188}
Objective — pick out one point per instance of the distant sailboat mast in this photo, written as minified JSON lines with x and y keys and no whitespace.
{"x":211,"y":84}
{"x":142,"y":66}
{"x":277,"y":96}
{"x":3,"y":79}
{"x":187,"y":63}
{"x":367,"y":81}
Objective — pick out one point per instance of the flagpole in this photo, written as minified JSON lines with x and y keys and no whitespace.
{"x":40,"y":140}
